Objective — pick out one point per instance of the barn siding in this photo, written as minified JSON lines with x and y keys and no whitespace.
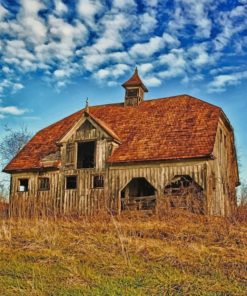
{"x":87,"y":201}
{"x":222,"y":174}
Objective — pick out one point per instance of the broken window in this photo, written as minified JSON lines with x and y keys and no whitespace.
{"x":23,"y":185}
{"x":71,"y":182}
{"x":184,"y":192}
{"x":44,"y":184}
{"x":98,"y":181}
{"x":86,"y":155}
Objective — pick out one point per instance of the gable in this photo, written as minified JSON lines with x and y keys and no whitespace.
{"x":86,"y":128}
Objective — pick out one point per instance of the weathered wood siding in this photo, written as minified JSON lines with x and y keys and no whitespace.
{"x":222,"y":173}
{"x":84,"y":200}
{"x":158,"y":175}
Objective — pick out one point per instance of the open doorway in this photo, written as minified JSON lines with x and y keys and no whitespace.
{"x":138,"y":194}
{"x":183,"y":192}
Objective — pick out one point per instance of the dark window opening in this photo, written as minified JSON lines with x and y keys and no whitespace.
{"x":71,"y":182}
{"x":23,"y":185}
{"x":132,"y":92}
{"x":98,"y":181}
{"x":86,"y":155}
{"x":44,"y":184}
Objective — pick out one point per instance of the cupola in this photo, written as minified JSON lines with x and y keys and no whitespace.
{"x":134,"y":90}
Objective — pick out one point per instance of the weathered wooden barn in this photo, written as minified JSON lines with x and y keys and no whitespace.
{"x":174,"y":152}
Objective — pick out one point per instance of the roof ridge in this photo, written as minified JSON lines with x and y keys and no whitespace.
{"x":183,"y":95}
{"x":120,"y":103}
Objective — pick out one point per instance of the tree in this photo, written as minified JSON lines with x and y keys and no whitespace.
{"x":243,"y":194}
{"x":12,"y":143}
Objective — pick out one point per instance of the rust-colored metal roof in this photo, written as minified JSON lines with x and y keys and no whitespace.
{"x":177,"y":127}
{"x":135,"y":80}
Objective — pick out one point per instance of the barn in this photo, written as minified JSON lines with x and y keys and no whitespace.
{"x":172,"y":152}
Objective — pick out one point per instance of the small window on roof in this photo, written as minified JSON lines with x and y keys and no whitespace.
{"x":133,"y":92}
{"x":23,"y":185}
{"x":71,"y":182}
{"x":44,"y":183}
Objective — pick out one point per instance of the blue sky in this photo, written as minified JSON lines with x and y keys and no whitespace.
{"x":54,"y":54}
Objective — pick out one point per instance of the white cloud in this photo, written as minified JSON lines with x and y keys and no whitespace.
{"x":93,"y":61}
{"x":144,"y":68}
{"x":193,"y":12}
{"x":3,"y":12}
{"x":200,"y":56}
{"x":220,"y":82}
{"x":12,"y":110}
{"x":6,"y":70}
{"x":148,"y":22}
{"x":152,"y":81}
{"x":112,"y":72}
{"x":111,"y":38}
{"x":154,"y":45}
{"x":9,"y":84}
{"x":151,"y":3}
{"x":230,"y":23}
{"x":34,"y":28}
{"x":60,"y":7}
{"x":66,"y":33}
{"x":88,"y":9}
{"x":170,"y":41}
{"x":173,"y":64}
{"x":107,"y":39}
{"x":60,"y":73}
{"x":121,"y":4}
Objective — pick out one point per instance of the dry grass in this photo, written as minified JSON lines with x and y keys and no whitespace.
{"x":135,"y":254}
{"x":4,"y":207}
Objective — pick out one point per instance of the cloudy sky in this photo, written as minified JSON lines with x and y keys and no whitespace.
{"x":54,"y":54}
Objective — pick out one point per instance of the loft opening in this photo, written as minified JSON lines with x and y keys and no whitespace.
{"x":23,"y":185}
{"x":86,"y":154}
{"x":183,"y":192}
{"x":138,"y":194}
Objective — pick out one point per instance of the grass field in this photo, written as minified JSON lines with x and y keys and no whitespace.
{"x":136,"y":254}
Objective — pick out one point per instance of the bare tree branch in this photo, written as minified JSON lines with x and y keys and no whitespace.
{"x":12,"y":143}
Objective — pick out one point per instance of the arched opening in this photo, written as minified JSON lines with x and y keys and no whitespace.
{"x":183,"y":192}
{"x":138,"y":194}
